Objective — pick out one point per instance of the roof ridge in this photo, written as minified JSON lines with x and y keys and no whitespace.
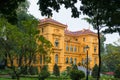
{"x":84,"y":31}
{"x":51,"y":20}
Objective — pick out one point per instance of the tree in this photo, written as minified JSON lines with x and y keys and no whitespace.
{"x":8,"y":9}
{"x":117,"y":72}
{"x":21,"y":44}
{"x":76,"y":74}
{"x":111,"y":58}
{"x":10,"y":45}
{"x":56,"y":70}
{"x":74,"y":67}
{"x":94,"y":71}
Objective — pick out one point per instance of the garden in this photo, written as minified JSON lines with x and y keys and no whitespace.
{"x":71,"y":73}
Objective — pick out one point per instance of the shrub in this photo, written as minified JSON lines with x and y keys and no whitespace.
{"x":117,"y":72}
{"x":79,"y":64}
{"x":56,"y":70}
{"x":76,"y":74}
{"x":24,"y":70}
{"x":33,"y":70}
{"x":44,"y":73}
{"x":74,"y":67}
{"x":95,"y":71}
{"x":68,"y":68}
{"x":64,"y":74}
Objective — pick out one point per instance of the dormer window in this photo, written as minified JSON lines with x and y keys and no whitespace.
{"x":56,"y":43}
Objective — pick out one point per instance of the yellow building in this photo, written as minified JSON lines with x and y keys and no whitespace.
{"x":69,"y":47}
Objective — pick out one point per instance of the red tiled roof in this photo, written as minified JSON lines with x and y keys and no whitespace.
{"x":47,"y":20}
{"x":67,"y":32}
{"x":77,"y":33}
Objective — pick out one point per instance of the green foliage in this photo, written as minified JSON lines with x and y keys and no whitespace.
{"x":24,"y":70}
{"x":68,"y":68}
{"x":76,"y":74}
{"x":79,"y":64}
{"x":44,"y":73}
{"x":56,"y":70}
{"x":117,"y":72}
{"x":112,"y":58}
{"x":19,"y":42}
{"x":95,"y":71}
{"x":95,"y":9}
{"x":46,"y":7}
{"x":8,"y":9}
{"x":64,"y":74}
{"x":74,"y":67}
{"x":33,"y":70}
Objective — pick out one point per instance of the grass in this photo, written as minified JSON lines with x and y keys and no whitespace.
{"x":50,"y":78}
{"x":4,"y":71}
{"x":60,"y":78}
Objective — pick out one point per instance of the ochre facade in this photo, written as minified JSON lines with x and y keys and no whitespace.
{"x":69,"y":47}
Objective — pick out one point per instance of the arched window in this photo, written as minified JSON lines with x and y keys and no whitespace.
{"x":71,"y":60}
{"x":75,"y":60}
{"x":67,"y":60}
{"x":56,"y":43}
{"x":56,"y":58}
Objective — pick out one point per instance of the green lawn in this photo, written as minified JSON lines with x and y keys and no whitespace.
{"x":34,"y":79}
{"x":50,"y":78}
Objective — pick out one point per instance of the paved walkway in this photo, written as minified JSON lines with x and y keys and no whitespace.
{"x":5,"y":75}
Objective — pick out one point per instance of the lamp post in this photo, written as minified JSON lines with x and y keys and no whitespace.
{"x":87,"y":47}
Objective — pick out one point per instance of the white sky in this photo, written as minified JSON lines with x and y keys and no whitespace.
{"x":74,"y":24}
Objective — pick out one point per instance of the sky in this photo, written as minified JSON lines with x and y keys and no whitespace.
{"x":74,"y":24}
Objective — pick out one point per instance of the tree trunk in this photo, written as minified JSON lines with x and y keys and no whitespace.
{"x":99,"y":54}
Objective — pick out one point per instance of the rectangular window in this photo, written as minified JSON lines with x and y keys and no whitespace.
{"x":84,"y":49}
{"x":71,"y":48}
{"x":75,"y":49}
{"x":67,"y":48}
